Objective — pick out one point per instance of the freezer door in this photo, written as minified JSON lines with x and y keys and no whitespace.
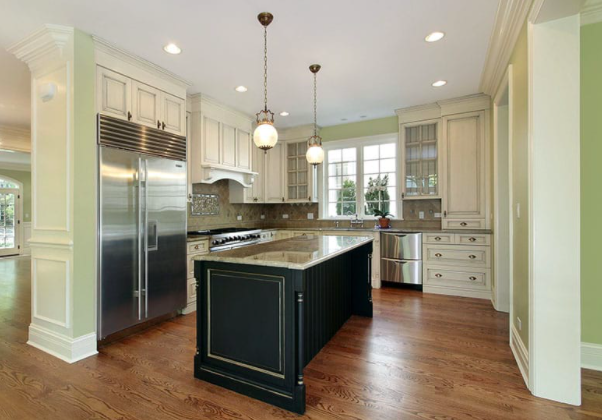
{"x":119,"y":265}
{"x":401,"y":246}
{"x":401,"y":271}
{"x":165,"y":240}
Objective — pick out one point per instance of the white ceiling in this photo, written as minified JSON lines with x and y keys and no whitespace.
{"x":373,"y":54}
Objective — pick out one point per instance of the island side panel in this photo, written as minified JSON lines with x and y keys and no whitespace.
{"x":335,"y":290}
{"x":246,"y":332}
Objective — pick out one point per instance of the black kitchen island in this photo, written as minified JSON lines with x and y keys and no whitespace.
{"x":264,"y":311}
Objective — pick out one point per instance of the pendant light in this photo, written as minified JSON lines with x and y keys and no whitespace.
{"x":265,"y":135}
{"x":315,"y":152}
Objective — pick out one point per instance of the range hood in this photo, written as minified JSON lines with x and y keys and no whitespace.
{"x":212,"y":173}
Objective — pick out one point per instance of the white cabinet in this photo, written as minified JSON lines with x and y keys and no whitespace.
{"x":274,"y":175}
{"x":114,"y":93}
{"x":298,"y":173}
{"x":210,"y":143}
{"x":256,"y":192}
{"x":465,"y":166}
{"x":195,"y":249}
{"x":132,"y":100}
{"x":228,"y":145}
{"x":244,"y":147}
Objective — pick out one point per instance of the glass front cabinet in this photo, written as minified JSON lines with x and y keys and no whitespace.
{"x":420,"y":167}
{"x":299,"y":174}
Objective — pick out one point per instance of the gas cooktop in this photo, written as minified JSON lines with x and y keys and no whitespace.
{"x":228,"y":238}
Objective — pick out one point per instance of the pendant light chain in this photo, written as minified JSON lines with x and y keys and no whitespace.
{"x":265,"y":67}
{"x":315,"y":104}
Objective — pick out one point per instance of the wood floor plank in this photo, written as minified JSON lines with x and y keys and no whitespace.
{"x":420,"y":357}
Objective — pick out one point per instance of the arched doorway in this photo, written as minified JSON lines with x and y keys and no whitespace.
{"x":11,"y":192}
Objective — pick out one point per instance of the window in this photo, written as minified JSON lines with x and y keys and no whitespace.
{"x":4,"y":183}
{"x":361,"y":178}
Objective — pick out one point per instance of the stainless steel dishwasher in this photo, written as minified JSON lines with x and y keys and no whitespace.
{"x":401,"y":257}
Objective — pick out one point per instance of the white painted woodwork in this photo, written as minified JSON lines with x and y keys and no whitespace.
{"x":114,"y":93}
{"x":300,"y":177}
{"x":173,"y":114}
{"x":274,"y":175}
{"x":146,"y":104}
{"x":211,"y":144}
{"x":194,"y":249}
{"x":229,"y":142}
{"x":465,"y":168}
{"x":438,"y":238}
{"x":243,"y":149}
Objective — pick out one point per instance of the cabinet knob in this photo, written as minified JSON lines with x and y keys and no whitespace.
{"x":158,"y":125}
{"x":472,"y":257}
{"x":472,"y":278}
{"x":445,"y":213}
{"x":438,"y":255}
{"x":283,"y":199}
{"x":463,"y":224}
{"x":129,"y":116}
{"x":438,"y":238}
{"x":196,"y":247}
{"x":309,"y":198}
{"x":472,"y":239}
{"x":438,"y":275}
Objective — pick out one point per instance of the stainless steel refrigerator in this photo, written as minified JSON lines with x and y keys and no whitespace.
{"x":142,"y":224}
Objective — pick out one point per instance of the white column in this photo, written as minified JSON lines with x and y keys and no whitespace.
{"x":63,"y":242}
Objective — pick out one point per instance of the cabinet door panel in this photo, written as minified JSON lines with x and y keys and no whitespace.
{"x":114,"y":93}
{"x":228,"y":145}
{"x":145,"y":104}
{"x":274,"y":184}
{"x":243,"y":149}
{"x":210,"y":140}
{"x":258,"y":190}
{"x":174,"y":114}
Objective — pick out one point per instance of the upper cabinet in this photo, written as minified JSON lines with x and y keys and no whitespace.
{"x":300,"y":179}
{"x":132,"y":100}
{"x":274,"y":175}
{"x":445,"y":154}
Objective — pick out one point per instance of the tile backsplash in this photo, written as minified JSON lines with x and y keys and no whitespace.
{"x":297,"y":214}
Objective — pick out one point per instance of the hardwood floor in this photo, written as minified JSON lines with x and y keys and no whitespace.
{"x":421,"y":357}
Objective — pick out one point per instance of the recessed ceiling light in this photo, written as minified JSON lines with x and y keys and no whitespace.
{"x":241,"y":88}
{"x":284,"y":114}
{"x":439,"y":83}
{"x":434,"y":37}
{"x":172,"y":49}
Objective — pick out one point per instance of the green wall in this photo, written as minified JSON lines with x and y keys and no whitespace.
{"x":520,"y":185}
{"x":591,"y":174}
{"x":25,"y":178}
{"x":360,"y":129}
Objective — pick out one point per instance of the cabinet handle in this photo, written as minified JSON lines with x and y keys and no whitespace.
{"x":438,"y":255}
{"x":438,"y":238}
{"x":472,"y":257}
{"x":196,"y":247}
{"x":438,"y":275}
{"x":472,"y":239}
{"x":129,"y":116}
{"x":472,"y":278}
{"x":463,"y":224}
{"x":283,"y":199}
{"x":163,"y":125}
{"x":309,"y":198}
{"x":403,"y":195}
{"x":158,"y":125}
{"x":444,"y":213}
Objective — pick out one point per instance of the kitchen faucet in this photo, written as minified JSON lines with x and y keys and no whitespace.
{"x":356,"y":221}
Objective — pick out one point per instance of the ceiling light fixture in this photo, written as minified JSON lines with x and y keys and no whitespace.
{"x":265,"y":135}
{"x":439,"y":83}
{"x":172,"y":49}
{"x":434,"y":37}
{"x":315,"y":152}
{"x":241,"y":89}
{"x":284,"y":114}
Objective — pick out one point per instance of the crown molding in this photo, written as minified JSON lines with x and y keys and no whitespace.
{"x":418,"y":113}
{"x":509,"y":20}
{"x":9,"y":166}
{"x":49,"y":43}
{"x":591,"y":12}
{"x":117,"y":52}
{"x":297,"y":132}
{"x":15,"y":138}
{"x":198,"y":99}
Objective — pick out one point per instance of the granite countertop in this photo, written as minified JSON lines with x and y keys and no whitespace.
{"x":392,"y":230}
{"x":297,"y":253}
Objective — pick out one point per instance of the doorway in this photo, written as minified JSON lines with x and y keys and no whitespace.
{"x":502,"y":194}
{"x":10,"y":217}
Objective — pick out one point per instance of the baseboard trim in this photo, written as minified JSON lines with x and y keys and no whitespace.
{"x":521,"y":354}
{"x":591,"y":356}
{"x":190,"y":308}
{"x":451,"y":291}
{"x":65,"y":348}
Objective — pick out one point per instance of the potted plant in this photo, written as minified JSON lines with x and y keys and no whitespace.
{"x":383,"y":218}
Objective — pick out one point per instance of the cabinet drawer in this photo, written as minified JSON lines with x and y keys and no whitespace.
{"x":191,"y":292}
{"x":198,"y":247}
{"x":469,"y":256}
{"x":463,"y":224}
{"x":438,"y":238}
{"x":465,"y":279}
{"x":475,"y":239}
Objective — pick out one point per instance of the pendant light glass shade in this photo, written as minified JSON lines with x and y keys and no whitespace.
{"x":315,"y":152}
{"x":265,"y":135}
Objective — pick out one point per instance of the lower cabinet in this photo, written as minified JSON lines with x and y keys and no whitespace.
{"x":457,"y":264}
{"x":194,"y":249}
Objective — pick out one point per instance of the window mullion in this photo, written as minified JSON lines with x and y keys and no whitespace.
{"x":360,"y":181}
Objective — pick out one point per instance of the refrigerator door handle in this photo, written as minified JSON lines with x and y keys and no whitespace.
{"x":140,"y":291}
{"x":146,"y":238}
{"x":153,"y":239}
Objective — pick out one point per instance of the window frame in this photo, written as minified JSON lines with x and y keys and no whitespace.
{"x":359,"y":143}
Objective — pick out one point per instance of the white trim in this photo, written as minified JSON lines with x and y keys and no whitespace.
{"x":19,"y":205}
{"x":455,"y":291}
{"x":10,"y":166}
{"x":591,"y":12}
{"x":591,"y":356}
{"x":34,"y":292}
{"x":521,"y":354}
{"x":190,"y":308}
{"x":509,"y":21}
{"x":65,"y":348}
{"x":25,"y":247}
